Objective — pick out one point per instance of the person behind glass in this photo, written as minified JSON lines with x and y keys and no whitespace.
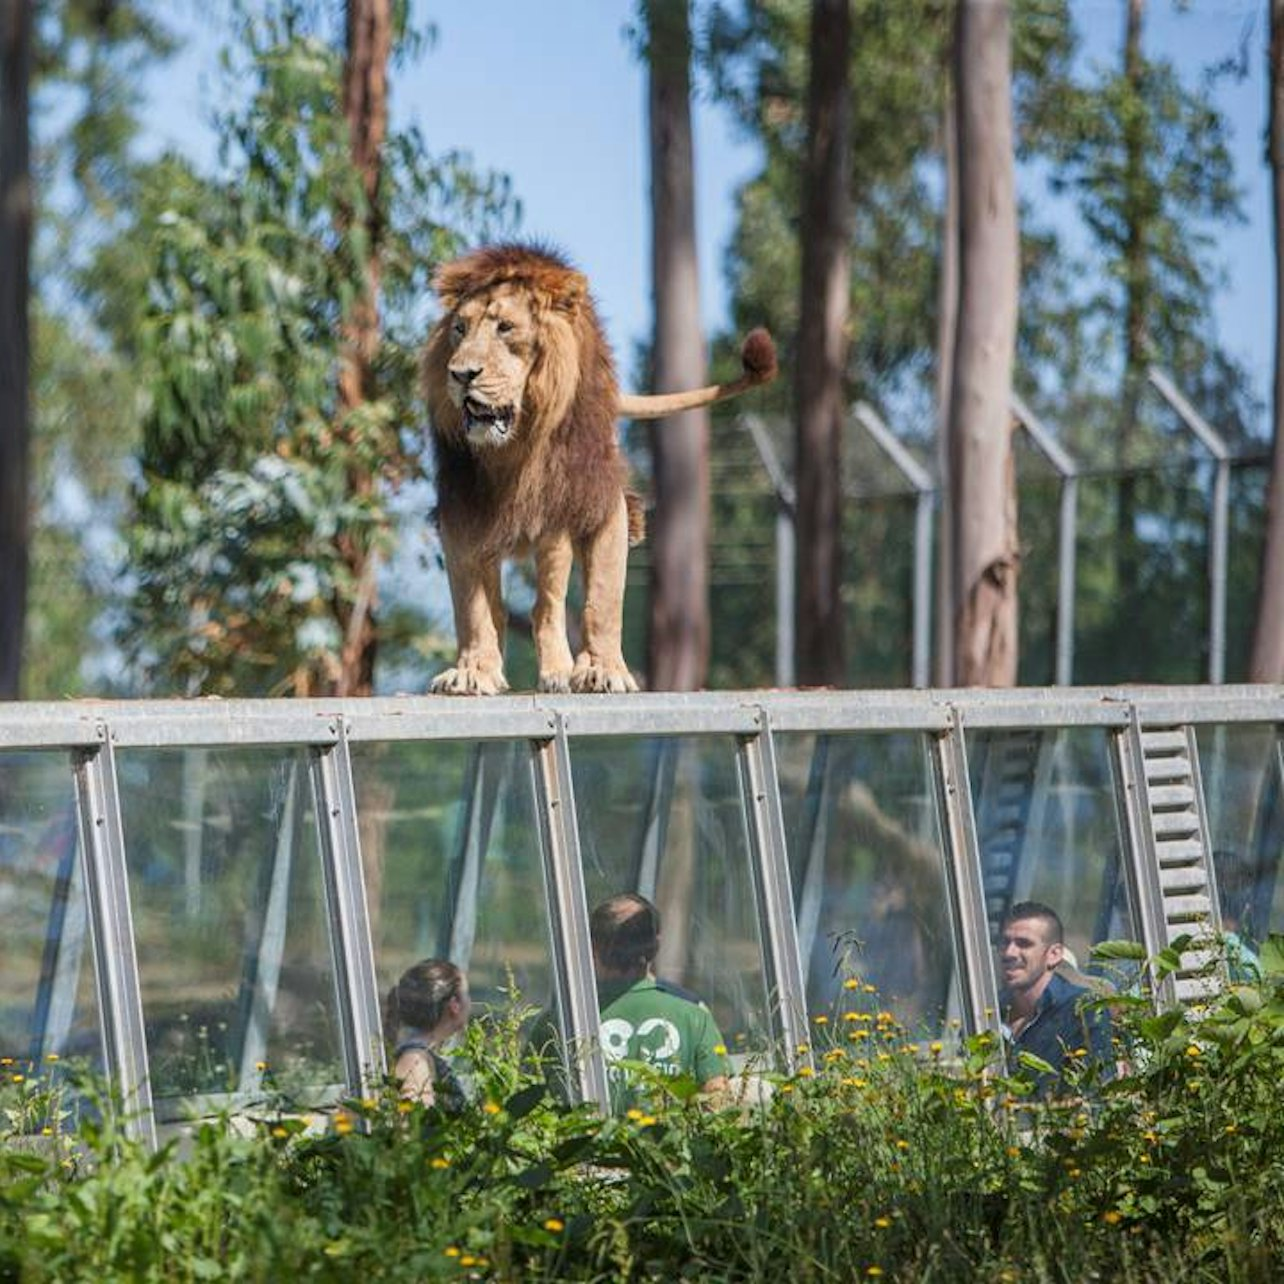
{"x":644,"y":1019}
{"x":426,"y":1008}
{"x":1043,"y":1013}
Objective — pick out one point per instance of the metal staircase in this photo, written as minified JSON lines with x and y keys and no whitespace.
{"x":1174,"y":810}
{"x":1008,"y":785}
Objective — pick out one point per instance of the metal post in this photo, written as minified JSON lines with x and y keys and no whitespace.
{"x":786,"y":546}
{"x":577,"y":1010}
{"x":1218,"y":518}
{"x":925,"y":493}
{"x":365,"y":1063}
{"x":769,"y":860}
{"x":120,"y":998}
{"x":964,"y":881}
{"x":1068,"y":520}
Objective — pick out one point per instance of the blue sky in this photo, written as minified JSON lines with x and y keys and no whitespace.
{"x":551,"y":93}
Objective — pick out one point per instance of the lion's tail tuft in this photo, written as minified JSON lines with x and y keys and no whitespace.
{"x":758,"y":355}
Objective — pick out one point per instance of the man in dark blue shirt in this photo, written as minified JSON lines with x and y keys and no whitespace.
{"x":1043,"y":1013}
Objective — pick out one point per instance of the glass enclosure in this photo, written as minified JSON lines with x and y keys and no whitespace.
{"x":229,"y":921}
{"x":209,"y":900}
{"x":869,"y":872}
{"x":48,"y":1004}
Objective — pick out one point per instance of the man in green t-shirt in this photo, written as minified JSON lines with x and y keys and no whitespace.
{"x":643,"y":1019}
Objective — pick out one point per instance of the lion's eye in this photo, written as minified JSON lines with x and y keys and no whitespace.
{"x":504,"y":327}
{"x":458,"y":328}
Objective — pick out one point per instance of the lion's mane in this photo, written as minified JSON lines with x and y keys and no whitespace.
{"x":564,"y":471}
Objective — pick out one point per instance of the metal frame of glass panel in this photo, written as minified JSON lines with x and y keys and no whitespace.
{"x":1157,"y":785}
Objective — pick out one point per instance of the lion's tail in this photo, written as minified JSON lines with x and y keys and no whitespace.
{"x":758,"y":359}
{"x":637,"y":518}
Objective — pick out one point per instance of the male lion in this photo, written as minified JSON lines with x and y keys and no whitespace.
{"x":523,"y":400}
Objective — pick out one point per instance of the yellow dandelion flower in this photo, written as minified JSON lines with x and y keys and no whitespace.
{"x":822,"y":1019}
{"x":554,"y":1224}
{"x":851,"y":984}
{"x":280,"y":1132}
{"x":1074,"y":1172}
{"x":633,"y":1113}
{"x":874,"y":1271}
{"x":18,"y":1078}
{"x":6,"y":1061}
{"x":803,"y":1049}
{"x":786,"y":1087}
{"x":870,"y":989}
{"x":368,"y":1103}
{"x":1112,"y":1218}
{"x":51,"y":1057}
{"x":46,"y":1131}
{"x":491,"y":1108}
{"x":912,"y":1049}
{"x":1193,"y":1050}
{"x":806,"y":1073}
{"x":858,"y":1034}
{"x":936,"y":1047}
{"x":405,"y":1107}
{"x":343,"y":1125}
{"x":647,"y":1121}
{"x":452,"y":1251}
{"x":468,"y":1260}
{"x":902,"y":1144}
{"x":439,"y":1163}
{"x":1232,"y":1127}
{"x":851,"y":1016}
{"x":720,"y":1049}
{"x":260,"y":1066}
{"x":882,"y":1222}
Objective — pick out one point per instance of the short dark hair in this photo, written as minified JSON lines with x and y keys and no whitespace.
{"x":625,"y":930}
{"x":1045,"y":913}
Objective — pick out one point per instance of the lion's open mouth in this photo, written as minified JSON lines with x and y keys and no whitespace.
{"x":482,"y":420}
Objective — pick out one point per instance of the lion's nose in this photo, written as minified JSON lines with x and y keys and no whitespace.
{"x":464,"y":374}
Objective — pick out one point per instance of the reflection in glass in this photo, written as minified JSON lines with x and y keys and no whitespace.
{"x":1241,"y":768}
{"x":230,"y":922}
{"x":48,"y":1004}
{"x":663,"y":817}
{"x":868,"y":872}
{"x":453,"y":866}
{"x":1048,"y":830}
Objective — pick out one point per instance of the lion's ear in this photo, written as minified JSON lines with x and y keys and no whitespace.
{"x":571,"y":292}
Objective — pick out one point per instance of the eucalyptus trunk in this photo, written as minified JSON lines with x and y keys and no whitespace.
{"x":947,"y":308}
{"x":365,"y":106}
{"x":820,"y":367}
{"x":982,"y":475}
{"x":16,"y":19}
{"x":678,"y":614}
{"x":1267,"y":661}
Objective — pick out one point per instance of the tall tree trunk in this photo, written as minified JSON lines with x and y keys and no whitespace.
{"x":678,"y":619}
{"x":1267,"y":661}
{"x":947,"y":309}
{"x":822,"y":348}
{"x":15,"y":336}
{"x":1136,"y":308}
{"x":365,"y":105}
{"x":982,"y":474}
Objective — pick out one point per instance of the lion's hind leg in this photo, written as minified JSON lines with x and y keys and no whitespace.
{"x":554,"y":557}
{"x":600,"y":665}
{"x":479,"y":624}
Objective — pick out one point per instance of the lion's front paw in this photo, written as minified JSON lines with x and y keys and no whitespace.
{"x":608,"y":677}
{"x":556,"y":681}
{"x":469,"y":680}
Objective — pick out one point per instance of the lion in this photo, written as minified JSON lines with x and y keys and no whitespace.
{"x":522,"y":401}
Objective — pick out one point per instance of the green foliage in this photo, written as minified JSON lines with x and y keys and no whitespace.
{"x":890,"y":1159}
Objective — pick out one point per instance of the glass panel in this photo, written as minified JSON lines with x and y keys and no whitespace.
{"x":1048,"y":830}
{"x":868,"y":871}
{"x":664,"y":817}
{"x":48,"y":1002}
{"x":454,"y":869}
{"x":228,"y":904}
{"x":1241,"y":772}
